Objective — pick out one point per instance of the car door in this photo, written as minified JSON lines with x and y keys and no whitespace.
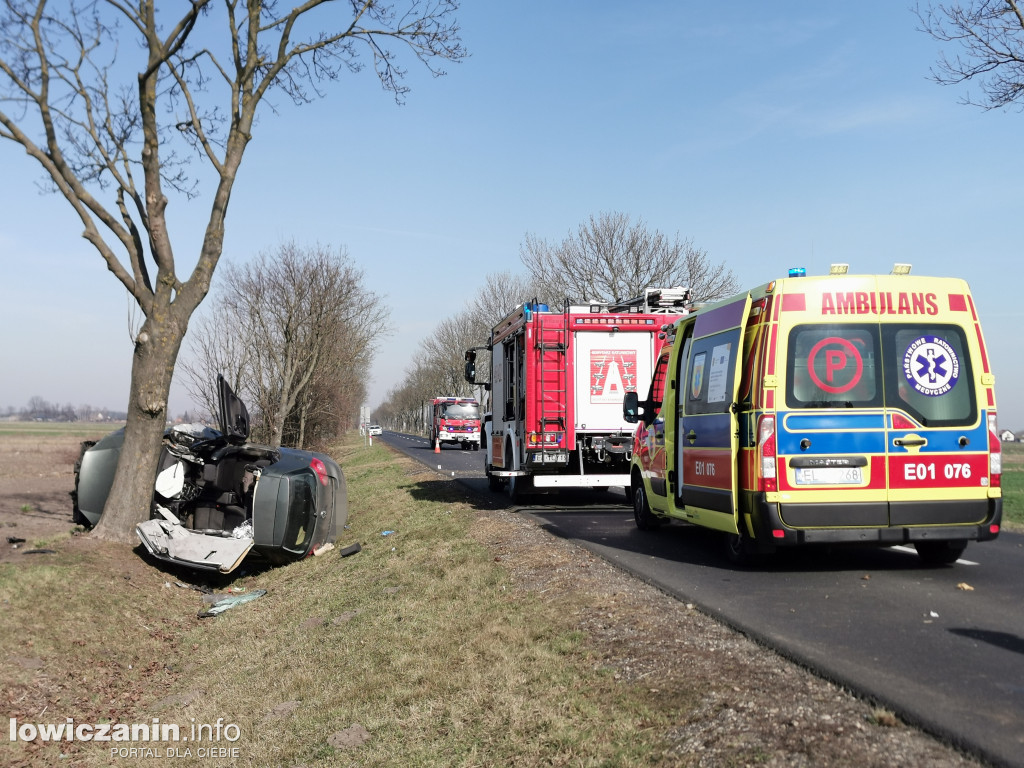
{"x":170,"y":541}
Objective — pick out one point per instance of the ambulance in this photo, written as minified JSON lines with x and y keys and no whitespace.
{"x":838,"y":409}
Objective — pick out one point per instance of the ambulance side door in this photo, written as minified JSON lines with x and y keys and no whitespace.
{"x":707,"y":427}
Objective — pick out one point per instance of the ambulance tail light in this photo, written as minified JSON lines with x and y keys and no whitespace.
{"x":995,"y":455}
{"x":768,"y":481}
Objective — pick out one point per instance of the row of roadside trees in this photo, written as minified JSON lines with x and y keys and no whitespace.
{"x":293,"y":332}
{"x":113,"y":100}
{"x":40,"y":409}
{"x":607,"y":258}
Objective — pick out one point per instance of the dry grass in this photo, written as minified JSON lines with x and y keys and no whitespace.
{"x":466,"y":637}
{"x":420,"y":639}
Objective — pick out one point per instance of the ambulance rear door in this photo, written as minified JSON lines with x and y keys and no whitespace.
{"x":939,"y":438}
{"x":707,"y":432}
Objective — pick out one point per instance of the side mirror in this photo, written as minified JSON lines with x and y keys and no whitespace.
{"x":631,"y":408}
{"x":470,"y":371}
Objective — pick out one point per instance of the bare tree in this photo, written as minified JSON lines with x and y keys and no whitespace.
{"x":288,"y":323}
{"x":502,"y":292}
{"x":991,"y":35}
{"x":215,"y":349}
{"x":404,"y":406}
{"x":112,"y":99}
{"x":609,"y":259}
{"x":446,"y":352}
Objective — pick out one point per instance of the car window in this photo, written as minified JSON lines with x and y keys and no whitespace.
{"x":302,"y":493}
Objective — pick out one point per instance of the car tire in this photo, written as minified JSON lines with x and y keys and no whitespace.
{"x":645,"y":519}
{"x":940,"y":552}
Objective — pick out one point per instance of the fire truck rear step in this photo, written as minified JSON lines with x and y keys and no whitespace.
{"x":578,"y":481}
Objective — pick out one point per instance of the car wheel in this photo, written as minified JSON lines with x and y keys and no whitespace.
{"x":940,"y":552}
{"x":645,"y":519}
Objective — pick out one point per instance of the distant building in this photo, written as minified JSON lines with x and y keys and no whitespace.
{"x":1007,"y":436}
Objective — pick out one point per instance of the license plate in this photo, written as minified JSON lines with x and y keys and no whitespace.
{"x":829,"y":476}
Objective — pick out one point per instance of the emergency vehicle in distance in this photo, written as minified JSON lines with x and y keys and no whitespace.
{"x":557,"y":382}
{"x":455,"y":421}
{"x":840,"y":409}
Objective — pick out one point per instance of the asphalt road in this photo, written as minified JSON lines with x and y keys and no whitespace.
{"x":941,"y":647}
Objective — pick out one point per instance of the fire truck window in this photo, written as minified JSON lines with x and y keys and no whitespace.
{"x":462,"y":411}
{"x":833,"y":366}
{"x":510,"y":380}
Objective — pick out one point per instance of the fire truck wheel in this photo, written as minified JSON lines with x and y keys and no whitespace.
{"x":517,"y":486}
{"x":645,"y":519}
{"x":493,"y":483}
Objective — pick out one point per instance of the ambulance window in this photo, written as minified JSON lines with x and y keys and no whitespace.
{"x":657,"y":392}
{"x":833,"y":366}
{"x":929,"y":374}
{"x":709,"y":383}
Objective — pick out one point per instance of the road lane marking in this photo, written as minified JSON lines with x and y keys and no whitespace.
{"x":911,"y":550}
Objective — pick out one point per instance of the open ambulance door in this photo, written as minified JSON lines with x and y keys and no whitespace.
{"x":707,"y":431}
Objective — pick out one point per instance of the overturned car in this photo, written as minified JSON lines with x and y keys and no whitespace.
{"x":218,"y":498}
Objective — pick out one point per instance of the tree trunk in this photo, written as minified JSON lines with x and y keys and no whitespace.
{"x":131,"y":498}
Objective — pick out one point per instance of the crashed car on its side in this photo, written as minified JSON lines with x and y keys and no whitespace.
{"x":217,"y":497}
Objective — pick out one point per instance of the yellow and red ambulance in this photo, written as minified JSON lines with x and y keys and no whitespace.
{"x":832,"y":409}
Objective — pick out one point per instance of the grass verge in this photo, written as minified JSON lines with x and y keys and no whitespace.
{"x":1013,"y":485}
{"x":418,"y":650}
{"x":86,"y":430}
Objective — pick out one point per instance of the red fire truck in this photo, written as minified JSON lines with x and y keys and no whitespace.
{"x":455,"y":421}
{"x":557,"y":381}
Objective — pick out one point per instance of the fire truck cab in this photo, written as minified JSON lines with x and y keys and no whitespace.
{"x":455,"y":421}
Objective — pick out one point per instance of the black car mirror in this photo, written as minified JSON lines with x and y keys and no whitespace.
{"x":631,"y":408}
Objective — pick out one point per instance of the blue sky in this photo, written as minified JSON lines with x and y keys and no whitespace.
{"x":773,"y":135}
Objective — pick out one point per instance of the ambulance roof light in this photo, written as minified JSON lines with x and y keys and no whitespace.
{"x":797,"y":272}
{"x":839,"y":269}
{"x":901,"y":269}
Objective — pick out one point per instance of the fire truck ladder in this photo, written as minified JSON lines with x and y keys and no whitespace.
{"x":552,"y":343}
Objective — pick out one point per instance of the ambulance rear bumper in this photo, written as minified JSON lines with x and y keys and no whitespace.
{"x":914,"y":524}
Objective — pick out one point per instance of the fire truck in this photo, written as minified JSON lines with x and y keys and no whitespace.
{"x":455,"y":421}
{"x":557,"y":382}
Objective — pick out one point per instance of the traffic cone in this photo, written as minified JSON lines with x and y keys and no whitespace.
{"x":437,"y":445}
